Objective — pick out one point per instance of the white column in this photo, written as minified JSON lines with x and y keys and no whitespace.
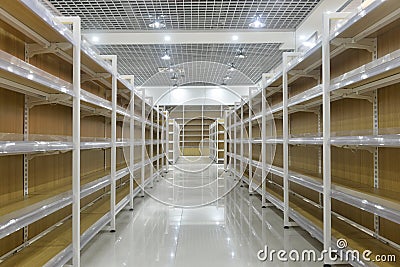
{"x":166,"y":124}
{"x":250,"y":131}
{"x":285,"y":96}
{"x":263,"y":148}
{"x":131,"y":138}
{"x":226,"y":124}
{"x":113,"y":60}
{"x":234,"y":142}
{"x":241,"y":140}
{"x":76,"y":133}
{"x":143,"y":160}
{"x":326,"y":147}
{"x":159,"y":131}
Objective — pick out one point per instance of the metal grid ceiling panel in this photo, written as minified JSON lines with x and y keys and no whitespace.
{"x":185,"y":14}
{"x":144,"y":61}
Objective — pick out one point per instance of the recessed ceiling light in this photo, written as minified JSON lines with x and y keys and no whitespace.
{"x":256,"y":22}
{"x":157,"y":23}
{"x":232,"y":67}
{"x":167,"y":38}
{"x":227,"y":78}
{"x":95,"y":39}
{"x":240,"y":54}
{"x":166,"y":56}
{"x":235,"y":38}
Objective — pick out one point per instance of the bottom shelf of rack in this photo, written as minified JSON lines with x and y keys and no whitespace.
{"x":309,"y":217}
{"x":51,"y":244}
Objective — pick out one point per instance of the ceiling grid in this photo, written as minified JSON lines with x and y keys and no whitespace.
{"x":188,"y":15}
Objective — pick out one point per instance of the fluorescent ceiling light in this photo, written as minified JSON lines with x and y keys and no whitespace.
{"x":166,"y":56}
{"x":157,"y":23}
{"x":256,"y":22}
{"x":240,"y":54}
{"x":231,"y":67}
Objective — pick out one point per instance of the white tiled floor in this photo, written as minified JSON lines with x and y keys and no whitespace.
{"x":228,"y":232}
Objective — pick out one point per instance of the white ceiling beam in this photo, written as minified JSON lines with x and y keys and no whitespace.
{"x":286,"y":38}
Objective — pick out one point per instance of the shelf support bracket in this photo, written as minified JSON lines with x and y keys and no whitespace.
{"x":53,"y":48}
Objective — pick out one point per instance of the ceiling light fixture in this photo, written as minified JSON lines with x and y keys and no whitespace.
{"x":167,"y":38}
{"x":166,"y":56}
{"x":235,"y":38}
{"x":232,"y":67}
{"x":256,"y":22}
{"x":227,"y":78}
{"x":240,"y":54}
{"x":157,"y":23}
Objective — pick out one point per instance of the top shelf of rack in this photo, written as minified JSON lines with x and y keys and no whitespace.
{"x":32,"y":14}
{"x":33,"y":23}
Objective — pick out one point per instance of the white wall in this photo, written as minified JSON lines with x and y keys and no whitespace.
{"x":197,"y":95}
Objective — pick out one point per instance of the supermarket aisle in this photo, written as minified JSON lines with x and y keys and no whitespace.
{"x":228,"y":232}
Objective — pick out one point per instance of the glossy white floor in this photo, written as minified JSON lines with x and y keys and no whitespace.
{"x":227,"y":232}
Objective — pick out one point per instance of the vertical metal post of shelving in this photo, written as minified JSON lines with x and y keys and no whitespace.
{"x":26,"y":157}
{"x":183,"y":130}
{"x":263,"y":148}
{"x":166,"y":123}
{"x":250,"y":131}
{"x":375,"y":110}
{"x":211,"y":141}
{"x":76,"y":118}
{"x":131,"y":78}
{"x":376,"y":156}
{"x":326,"y":147}
{"x":151,"y":144}
{"x":131,"y":137}
{"x":113,"y":59}
{"x":225,"y":140}
{"x":234,"y":141}
{"x":143,"y":158}
{"x":242,"y":101}
{"x":202,"y":128}
{"x":159,"y":131}
{"x":326,"y":121}
{"x":285,"y":95}
{"x":320,"y":195}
